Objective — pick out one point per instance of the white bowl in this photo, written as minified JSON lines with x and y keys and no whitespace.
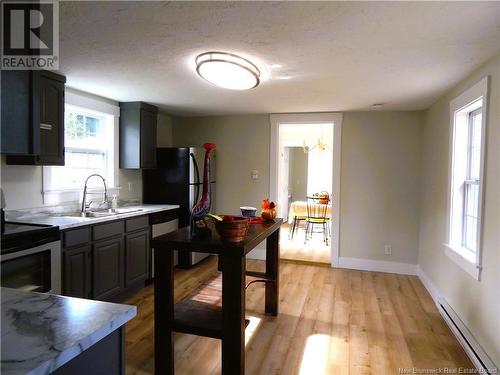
{"x":247,"y":211}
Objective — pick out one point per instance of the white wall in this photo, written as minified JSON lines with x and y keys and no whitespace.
{"x":21,"y":185}
{"x":476,"y":302}
{"x":297,"y":184}
{"x":380,"y":177}
{"x":242,"y":145}
{"x":380,"y":185}
{"x":320,"y":172}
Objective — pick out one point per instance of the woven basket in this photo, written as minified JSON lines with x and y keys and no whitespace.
{"x":234,"y":230}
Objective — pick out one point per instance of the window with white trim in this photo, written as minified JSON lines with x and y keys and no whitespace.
{"x":89,"y":148}
{"x":466,"y":177}
{"x":472,"y":180}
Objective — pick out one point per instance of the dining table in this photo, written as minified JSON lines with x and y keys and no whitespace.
{"x":215,"y":309}
{"x":299,"y":209}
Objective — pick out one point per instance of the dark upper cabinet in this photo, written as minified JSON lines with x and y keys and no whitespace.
{"x":51,"y":121}
{"x":19,"y":128}
{"x":138,"y":122}
{"x":33,"y":117}
{"x":77,"y":272}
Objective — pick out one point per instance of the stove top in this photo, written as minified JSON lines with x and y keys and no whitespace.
{"x":12,"y":228}
{"x":20,"y":236}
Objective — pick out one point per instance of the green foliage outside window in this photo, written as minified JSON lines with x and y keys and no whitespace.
{"x":78,"y":127}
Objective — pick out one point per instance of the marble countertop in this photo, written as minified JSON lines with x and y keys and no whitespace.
{"x":65,"y":222}
{"x":41,"y":332}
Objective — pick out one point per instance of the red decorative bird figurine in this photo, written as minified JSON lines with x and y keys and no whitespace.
{"x":200,"y":209}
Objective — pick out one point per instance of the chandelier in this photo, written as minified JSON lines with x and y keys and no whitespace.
{"x":319,"y":145}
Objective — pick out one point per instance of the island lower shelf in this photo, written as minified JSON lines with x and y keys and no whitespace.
{"x":200,"y":313}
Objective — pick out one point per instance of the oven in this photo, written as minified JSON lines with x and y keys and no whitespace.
{"x":162,"y":223}
{"x":30,"y":259}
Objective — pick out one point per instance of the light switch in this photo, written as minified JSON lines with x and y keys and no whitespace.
{"x":255,"y":174}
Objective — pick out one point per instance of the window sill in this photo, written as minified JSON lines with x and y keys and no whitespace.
{"x":57,"y":196}
{"x":60,"y":190}
{"x":464,"y":259}
{"x":89,"y":189}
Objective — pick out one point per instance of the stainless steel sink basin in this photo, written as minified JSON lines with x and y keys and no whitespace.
{"x":97,"y":214}
{"x":127,"y":210}
{"x":88,"y":214}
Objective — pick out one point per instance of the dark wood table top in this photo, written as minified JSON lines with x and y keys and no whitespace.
{"x":183,"y":240}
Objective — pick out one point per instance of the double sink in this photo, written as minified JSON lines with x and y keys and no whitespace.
{"x":98,"y":213}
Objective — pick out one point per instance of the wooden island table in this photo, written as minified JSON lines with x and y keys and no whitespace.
{"x":210,"y":311}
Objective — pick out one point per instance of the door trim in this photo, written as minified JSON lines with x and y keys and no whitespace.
{"x":304,"y":118}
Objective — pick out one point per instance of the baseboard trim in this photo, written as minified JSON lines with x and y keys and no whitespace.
{"x":377,"y":265}
{"x":474,"y":351}
{"x":429,"y":285}
{"x":305,"y":262}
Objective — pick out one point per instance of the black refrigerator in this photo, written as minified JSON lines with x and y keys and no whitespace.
{"x":178,"y":179}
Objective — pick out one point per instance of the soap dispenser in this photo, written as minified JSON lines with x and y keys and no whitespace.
{"x":114,"y":203}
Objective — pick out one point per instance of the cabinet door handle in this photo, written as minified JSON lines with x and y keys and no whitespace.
{"x":45,"y":126}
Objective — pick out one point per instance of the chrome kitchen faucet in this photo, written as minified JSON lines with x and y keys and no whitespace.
{"x":87,"y":206}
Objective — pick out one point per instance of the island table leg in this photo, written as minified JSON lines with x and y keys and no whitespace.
{"x":272,"y":271}
{"x":164,"y":311}
{"x":233,"y":314}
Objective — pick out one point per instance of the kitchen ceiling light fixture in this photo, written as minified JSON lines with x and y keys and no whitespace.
{"x":227,"y":70}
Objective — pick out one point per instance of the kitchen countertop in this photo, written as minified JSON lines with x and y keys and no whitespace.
{"x":66,"y":222}
{"x":41,"y":332}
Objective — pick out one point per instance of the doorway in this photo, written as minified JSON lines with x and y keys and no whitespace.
{"x":305,"y":165}
{"x":295,"y":175}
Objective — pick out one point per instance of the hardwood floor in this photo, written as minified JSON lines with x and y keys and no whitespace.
{"x":331,"y":321}
{"x":315,"y":250}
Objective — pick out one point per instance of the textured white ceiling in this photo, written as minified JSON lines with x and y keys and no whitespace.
{"x":338,"y":56}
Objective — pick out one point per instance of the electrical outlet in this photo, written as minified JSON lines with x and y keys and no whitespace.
{"x":388,"y":250}
{"x":255,"y":174}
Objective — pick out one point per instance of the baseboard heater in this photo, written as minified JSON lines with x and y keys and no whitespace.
{"x":477,"y":355}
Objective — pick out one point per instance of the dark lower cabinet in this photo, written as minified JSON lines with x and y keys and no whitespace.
{"x":107,"y":261}
{"x":137,"y":257}
{"x":77,"y":272}
{"x":108,"y":270}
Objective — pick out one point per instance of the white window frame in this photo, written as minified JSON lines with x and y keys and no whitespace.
{"x":469,"y":181}
{"x":101,"y":107}
{"x":460,"y":109}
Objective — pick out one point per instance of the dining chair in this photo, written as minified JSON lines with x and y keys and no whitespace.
{"x":316,"y":216}
{"x":295,"y":225}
